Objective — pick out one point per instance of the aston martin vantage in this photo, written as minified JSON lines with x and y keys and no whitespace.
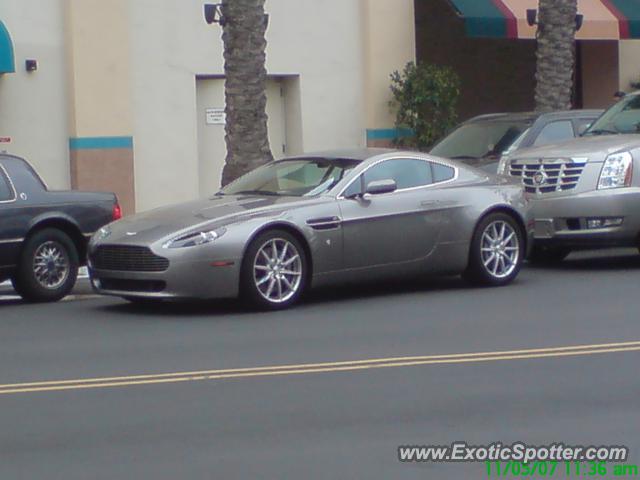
{"x":319,"y":219}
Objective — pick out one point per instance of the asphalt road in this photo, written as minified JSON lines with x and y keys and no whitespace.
{"x":317,"y":417}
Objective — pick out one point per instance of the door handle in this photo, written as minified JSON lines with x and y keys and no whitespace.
{"x":430,"y":203}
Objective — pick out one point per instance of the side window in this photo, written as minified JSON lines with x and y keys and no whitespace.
{"x":407,"y":173}
{"x":354,"y":188}
{"x":6,"y":192}
{"x":555,"y":132}
{"x":442,"y":173}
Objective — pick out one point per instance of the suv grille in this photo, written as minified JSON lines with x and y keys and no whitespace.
{"x":547,"y":175}
{"x":127,"y":258}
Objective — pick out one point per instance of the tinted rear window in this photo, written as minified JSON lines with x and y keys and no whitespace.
{"x":6,"y":192}
{"x":442,"y":173}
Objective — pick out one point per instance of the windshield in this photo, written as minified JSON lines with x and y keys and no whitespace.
{"x":623,"y":117}
{"x":480,"y":139}
{"x":296,"y":177}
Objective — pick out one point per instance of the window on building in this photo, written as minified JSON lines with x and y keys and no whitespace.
{"x":555,"y":132}
{"x":6,"y":192}
{"x":407,"y":173}
{"x":442,"y":173}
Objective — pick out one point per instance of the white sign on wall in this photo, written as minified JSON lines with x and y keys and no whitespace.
{"x":216,"y":116}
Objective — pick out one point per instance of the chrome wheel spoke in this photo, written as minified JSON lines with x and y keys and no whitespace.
{"x":291,"y":260}
{"x":489,"y":260}
{"x":283,"y":255}
{"x":290,"y":272}
{"x":272,"y":284}
{"x":263,"y":280}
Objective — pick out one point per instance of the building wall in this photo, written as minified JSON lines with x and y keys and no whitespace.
{"x":600,"y":79}
{"x":629,"y":61}
{"x":318,"y":43}
{"x":389,"y":43}
{"x":99,"y":92}
{"x":34,"y":106}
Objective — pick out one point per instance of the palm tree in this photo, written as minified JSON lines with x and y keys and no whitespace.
{"x":244,"y":29}
{"x":555,"y":54}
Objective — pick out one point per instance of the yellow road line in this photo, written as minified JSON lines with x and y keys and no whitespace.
{"x":107,"y":382}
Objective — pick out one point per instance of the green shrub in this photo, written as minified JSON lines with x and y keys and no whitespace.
{"x":425,"y":98}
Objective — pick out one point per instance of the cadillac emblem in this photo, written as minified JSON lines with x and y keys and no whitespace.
{"x":540,"y":178}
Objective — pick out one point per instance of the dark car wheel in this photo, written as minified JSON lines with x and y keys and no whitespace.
{"x":48,"y":267}
{"x":497,"y":251}
{"x":548,"y":255}
{"x":274,"y":271}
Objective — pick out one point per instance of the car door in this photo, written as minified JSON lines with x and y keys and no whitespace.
{"x":9,"y":243}
{"x":395,"y":227}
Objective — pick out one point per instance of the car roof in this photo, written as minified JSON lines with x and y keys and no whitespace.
{"x":533,"y":116}
{"x":356,"y":154}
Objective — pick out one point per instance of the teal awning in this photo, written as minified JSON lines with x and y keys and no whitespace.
{"x":7,"y":61}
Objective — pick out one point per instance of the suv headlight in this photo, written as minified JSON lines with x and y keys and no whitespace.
{"x":195,"y":239}
{"x":617,"y":171}
{"x":503,"y":165}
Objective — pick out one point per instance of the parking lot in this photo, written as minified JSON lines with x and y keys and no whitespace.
{"x":97,"y":388}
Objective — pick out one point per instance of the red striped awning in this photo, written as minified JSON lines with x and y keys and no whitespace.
{"x":603,"y":19}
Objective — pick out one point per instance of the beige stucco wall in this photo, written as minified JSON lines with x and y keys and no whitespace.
{"x":389,"y":44}
{"x":629,"y":59}
{"x":99,"y":75}
{"x":33,"y":106}
{"x":321,"y":42}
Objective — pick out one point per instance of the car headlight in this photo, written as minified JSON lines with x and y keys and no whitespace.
{"x":502,"y":165}
{"x":100,"y":235}
{"x":195,"y":239}
{"x":617,"y":171}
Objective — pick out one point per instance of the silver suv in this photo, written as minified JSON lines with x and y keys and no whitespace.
{"x":584,"y":193}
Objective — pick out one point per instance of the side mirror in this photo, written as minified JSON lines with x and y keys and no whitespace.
{"x":379,"y":187}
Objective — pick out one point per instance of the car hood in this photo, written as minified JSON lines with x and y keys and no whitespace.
{"x":595,"y":148}
{"x":213,"y":212}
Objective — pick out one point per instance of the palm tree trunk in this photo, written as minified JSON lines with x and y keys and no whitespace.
{"x":555,"y":54}
{"x":244,"y":29}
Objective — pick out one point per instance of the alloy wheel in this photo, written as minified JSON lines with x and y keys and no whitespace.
{"x":500,"y":249}
{"x":277,"y":270}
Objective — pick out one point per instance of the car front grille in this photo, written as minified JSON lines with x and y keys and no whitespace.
{"x":547,"y":175}
{"x":125,"y":258}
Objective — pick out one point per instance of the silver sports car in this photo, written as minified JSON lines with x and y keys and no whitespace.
{"x":316,"y":220}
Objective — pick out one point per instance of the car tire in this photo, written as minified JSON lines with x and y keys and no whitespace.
{"x":48,"y":267}
{"x":548,"y":255}
{"x":274,"y":279}
{"x":496,"y":255}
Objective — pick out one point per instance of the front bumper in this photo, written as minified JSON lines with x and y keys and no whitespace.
{"x":198,"y":277}
{"x":563,"y":220}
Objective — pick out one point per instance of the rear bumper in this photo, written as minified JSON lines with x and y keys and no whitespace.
{"x":564,"y":220}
